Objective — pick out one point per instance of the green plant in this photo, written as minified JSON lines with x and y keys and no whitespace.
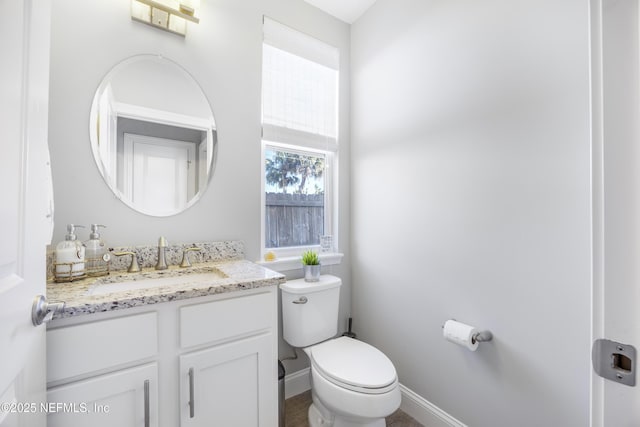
{"x":310,"y":258}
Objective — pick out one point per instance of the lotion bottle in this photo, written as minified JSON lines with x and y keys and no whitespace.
{"x":96,"y":256}
{"x":70,"y":256}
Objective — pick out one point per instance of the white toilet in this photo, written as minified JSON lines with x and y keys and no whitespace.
{"x":353,"y":384}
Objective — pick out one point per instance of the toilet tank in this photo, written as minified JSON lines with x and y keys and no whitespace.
{"x":310,"y":310}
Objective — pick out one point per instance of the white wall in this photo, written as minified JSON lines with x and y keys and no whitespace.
{"x":223,"y":53}
{"x":471,"y":200}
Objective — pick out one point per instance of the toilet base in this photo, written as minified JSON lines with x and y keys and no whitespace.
{"x":319,"y":416}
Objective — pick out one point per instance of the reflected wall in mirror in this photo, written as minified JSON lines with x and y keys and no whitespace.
{"x":153,"y":135}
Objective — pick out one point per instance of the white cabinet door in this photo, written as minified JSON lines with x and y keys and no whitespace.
{"x":233,"y":384}
{"x":126,"y":398}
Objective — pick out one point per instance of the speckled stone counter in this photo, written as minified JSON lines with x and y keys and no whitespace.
{"x":213,"y":277}
{"x":148,"y":255}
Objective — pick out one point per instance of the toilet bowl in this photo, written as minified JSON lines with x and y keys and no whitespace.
{"x":353,"y":384}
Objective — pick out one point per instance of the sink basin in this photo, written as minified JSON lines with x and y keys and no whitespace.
{"x":134,"y":282}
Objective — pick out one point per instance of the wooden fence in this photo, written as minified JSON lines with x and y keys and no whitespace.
{"x":293,"y":219}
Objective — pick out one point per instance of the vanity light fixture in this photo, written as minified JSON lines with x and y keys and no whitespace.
{"x":168,"y":15}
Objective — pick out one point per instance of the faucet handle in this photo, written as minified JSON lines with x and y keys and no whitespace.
{"x":133,"y":267}
{"x":185,"y":256}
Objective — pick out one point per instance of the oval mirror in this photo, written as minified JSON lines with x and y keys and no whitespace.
{"x":153,"y":135}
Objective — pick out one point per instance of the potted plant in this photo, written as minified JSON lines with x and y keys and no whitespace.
{"x":311,"y":266}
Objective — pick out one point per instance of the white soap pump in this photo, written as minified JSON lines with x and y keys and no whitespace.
{"x":69,"y":256}
{"x":96,"y":256}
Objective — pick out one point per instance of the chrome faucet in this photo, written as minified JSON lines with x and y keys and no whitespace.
{"x":162,"y":262}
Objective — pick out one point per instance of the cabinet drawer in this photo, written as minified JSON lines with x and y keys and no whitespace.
{"x":81,"y":349}
{"x":220,"y":320}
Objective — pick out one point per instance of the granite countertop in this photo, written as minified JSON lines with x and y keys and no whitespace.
{"x":225,"y":276}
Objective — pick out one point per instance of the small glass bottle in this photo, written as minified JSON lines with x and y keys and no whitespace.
{"x":96,"y":256}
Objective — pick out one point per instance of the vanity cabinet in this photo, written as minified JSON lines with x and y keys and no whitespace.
{"x":196,"y":362}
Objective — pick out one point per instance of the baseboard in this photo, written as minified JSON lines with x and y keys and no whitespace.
{"x":423,"y":411}
{"x":297,"y":382}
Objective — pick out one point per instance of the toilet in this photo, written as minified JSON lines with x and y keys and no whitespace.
{"x":353,"y":384}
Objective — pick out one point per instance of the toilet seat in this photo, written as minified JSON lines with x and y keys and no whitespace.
{"x":354,"y":365}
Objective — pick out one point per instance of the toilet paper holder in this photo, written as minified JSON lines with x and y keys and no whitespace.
{"x":482,"y":336}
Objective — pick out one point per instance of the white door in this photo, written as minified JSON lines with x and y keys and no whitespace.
{"x":159,"y":174}
{"x":25,"y":208}
{"x":616,"y":179}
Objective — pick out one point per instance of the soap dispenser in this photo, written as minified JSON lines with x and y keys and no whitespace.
{"x":96,"y":256}
{"x":69,"y":257}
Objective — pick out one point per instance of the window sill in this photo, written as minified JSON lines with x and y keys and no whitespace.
{"x":294,"y":263}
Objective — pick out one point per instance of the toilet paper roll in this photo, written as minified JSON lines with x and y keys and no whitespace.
{"x":460,"y":334}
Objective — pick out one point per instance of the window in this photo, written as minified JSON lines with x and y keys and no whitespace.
{"x":294,"y":197}
{"x":299,"y":131}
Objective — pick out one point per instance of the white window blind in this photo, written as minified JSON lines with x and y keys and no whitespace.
{"x":300,"y":88}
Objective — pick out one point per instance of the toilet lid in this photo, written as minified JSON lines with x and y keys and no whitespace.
{"x":352,"y":363}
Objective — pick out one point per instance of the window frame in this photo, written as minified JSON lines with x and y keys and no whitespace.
{"x":330,"y":198}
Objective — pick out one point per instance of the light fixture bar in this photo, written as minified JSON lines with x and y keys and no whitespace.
{"x":171,"y":11}
{"x":158,"y":26}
